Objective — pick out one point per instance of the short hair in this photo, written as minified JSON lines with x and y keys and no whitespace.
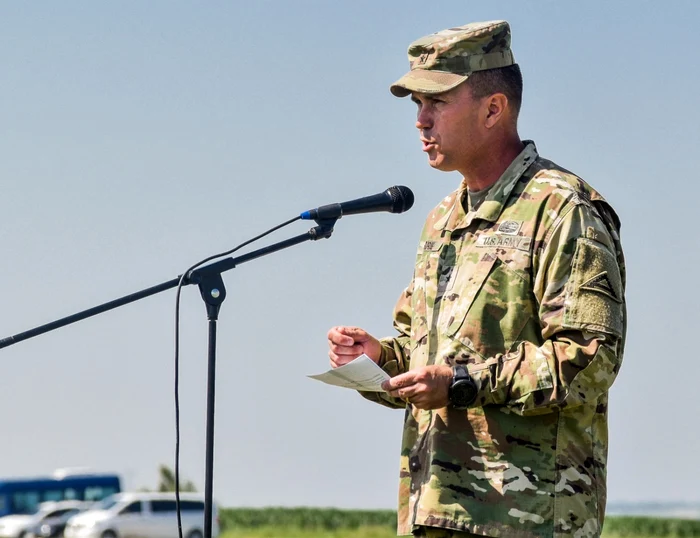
{"x":505,"y":80}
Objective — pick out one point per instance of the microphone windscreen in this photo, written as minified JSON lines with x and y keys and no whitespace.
{"x":401,"y":198}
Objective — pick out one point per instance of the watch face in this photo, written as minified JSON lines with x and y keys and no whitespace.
{"x":463,"y":393}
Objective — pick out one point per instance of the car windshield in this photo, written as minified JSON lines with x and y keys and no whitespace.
{"x":64,"y":512}
{"x":105,"y":504}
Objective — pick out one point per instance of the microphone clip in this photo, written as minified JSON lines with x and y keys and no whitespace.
{"x":324,"y":229}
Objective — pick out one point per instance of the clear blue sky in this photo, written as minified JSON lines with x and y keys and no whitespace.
{"x":138,"y":137}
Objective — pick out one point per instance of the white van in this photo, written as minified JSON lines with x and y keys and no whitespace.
{"x":142,"y":515}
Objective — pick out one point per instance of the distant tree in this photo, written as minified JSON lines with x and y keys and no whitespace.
{"x":166,"y":481}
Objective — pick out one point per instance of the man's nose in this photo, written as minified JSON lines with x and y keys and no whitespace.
{"x":424,"y":119}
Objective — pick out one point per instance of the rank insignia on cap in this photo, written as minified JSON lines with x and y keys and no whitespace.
{"x":443,"y":60}
{"x":601,"y":284}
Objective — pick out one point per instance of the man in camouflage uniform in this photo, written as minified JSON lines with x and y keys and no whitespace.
{"x":517,"y":295}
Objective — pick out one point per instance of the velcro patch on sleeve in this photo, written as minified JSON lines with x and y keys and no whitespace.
{"x":595,"y":294}
{"x":601,"y":283}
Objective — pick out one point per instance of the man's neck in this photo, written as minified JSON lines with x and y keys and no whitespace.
{"x":481,"y":175}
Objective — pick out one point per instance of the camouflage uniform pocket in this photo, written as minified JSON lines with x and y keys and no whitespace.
{"x":467,"y":288}
{"x":489,"y":316}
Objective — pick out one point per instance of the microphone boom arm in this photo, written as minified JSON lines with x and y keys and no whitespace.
{"x":323,"y":230}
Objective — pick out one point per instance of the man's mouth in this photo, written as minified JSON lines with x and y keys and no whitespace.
{"x":427,"y":144}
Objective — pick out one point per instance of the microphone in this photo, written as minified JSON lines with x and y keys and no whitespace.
{"x":395,"y":199}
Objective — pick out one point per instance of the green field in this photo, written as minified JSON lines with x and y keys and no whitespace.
{"x":336,"y":523}
{"x":361,"y":532}
{"x":281,"y":532}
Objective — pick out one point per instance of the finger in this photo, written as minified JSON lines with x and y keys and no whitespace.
{"x":399,"y":381}
{"x":404,"y":392}
{"x":407,"y":393}
{"x":336,"y":336}
{"x":339,"y":360}
{"x":356,"y":350}
{"x":356,"y":333}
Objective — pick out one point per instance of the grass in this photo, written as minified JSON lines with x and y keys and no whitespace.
{"x":280,"y":532}
{"x":277,"y":522}
{"x":361,"y":532}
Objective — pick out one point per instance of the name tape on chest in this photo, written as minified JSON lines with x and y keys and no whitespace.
{"x":431,"y":246}
{"x":504,"y":241}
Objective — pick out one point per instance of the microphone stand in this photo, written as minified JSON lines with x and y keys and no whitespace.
{"x":213,"y":292}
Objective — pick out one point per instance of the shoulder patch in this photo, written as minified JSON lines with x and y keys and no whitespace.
{"x":595,"y":293}
{"x":601,"y":283}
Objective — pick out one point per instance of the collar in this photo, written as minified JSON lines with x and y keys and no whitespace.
{"x":491,"y":208}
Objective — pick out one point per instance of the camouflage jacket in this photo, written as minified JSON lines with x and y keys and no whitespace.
{"x":528,"y":292}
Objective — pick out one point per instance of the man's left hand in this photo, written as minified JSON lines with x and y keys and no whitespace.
{"x":425,"y":388}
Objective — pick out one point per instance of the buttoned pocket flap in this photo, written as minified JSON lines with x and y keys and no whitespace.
{"x":470,"y":284}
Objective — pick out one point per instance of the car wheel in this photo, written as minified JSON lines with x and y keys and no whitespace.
{"x":109,"y":534}
{"x":194,"y":534}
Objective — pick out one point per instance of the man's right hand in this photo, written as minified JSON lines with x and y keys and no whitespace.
{"x":348,"y":343}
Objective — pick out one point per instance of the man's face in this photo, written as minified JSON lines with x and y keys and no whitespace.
{"x":450,"y":128}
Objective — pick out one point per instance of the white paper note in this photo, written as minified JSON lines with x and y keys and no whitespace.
{"x":360,"y":374}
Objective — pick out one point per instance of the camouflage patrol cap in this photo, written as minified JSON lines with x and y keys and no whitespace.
{"x":443,"y":60}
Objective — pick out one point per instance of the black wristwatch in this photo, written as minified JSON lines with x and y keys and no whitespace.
{"x":463,"y":390}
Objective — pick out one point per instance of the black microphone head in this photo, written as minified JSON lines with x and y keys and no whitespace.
{"x":401,"y":198}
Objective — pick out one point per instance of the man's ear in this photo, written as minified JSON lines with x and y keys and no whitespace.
{"x":496,"y":106}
